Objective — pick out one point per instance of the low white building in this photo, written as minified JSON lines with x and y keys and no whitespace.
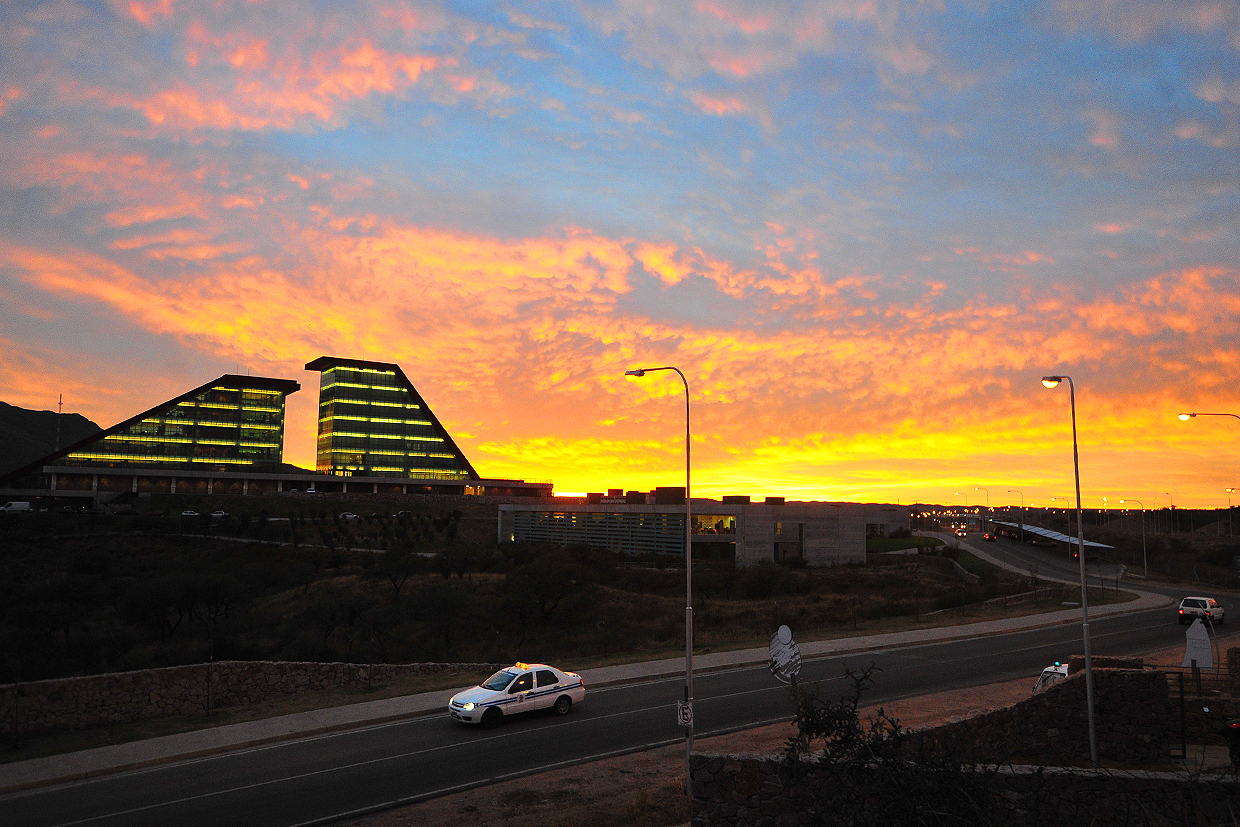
{"x":820,"y":533}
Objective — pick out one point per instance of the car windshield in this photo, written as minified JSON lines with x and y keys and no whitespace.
{"x":499,"y":681}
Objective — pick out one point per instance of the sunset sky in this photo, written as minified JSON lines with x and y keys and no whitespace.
{"x":863,"y":229}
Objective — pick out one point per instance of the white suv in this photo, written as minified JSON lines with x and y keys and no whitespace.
{"x":1206,"y":608}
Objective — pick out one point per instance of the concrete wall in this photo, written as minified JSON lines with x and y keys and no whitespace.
{"x":78,"y":703}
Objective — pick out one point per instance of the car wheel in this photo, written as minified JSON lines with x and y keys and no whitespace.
{"x":491,"y":718}
{"x":562,"y":705}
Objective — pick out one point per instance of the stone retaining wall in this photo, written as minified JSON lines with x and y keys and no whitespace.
{"x":759,"y":791}
{"x":1134,"y":724}
{"x":77,"y":703}
{"x":1132,"y":720}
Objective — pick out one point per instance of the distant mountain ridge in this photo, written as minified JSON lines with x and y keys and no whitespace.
{"x":26,"y":436}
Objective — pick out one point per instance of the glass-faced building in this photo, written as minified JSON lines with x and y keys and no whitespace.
{"x":373,"y":423}
{"x":235,"y":423}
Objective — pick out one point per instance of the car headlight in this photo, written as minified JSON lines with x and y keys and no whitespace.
{"x":468,"y":706}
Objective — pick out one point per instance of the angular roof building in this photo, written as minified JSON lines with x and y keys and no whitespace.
{"x":234,"y":423}
{"x":374,"y":423}
{"x":376,"y":435}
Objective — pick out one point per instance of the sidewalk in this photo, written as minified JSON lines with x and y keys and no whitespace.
{"x":74,"y":766}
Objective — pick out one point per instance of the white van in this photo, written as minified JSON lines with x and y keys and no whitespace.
{"x":15,"y":507}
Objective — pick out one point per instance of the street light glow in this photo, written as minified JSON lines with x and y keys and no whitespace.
{"x":1187,"y":416}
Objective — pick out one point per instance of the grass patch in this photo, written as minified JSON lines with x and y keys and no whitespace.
{"x":25,"y":746}
{"x":883,"y":545}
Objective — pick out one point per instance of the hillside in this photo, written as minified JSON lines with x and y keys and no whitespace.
{"x":26,"y":436}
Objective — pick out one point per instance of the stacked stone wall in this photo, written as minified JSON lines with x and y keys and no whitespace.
{"x":1132,"y":719}
{"x":760,"y":791}
{"x":1135,"y":725}
{"x":78,"y":703}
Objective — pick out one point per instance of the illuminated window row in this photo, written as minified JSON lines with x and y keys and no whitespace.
{"x":389,"y":436}
{"x":223,"y":406}
{"x":152,"y":438}
{"x":130,"y":457}
{"x":181,"y":423}
{"x":349,"y":452}
{"x":407,"y":405}
{"x":234,"y":442}
{"x":331,"y":417}
{"x":360,"y":385}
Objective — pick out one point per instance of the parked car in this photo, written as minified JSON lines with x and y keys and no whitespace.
{"x":189,"y":513}
{"x":522,"y":687}
{"x":14,"y":508}
{"x":1050,"y":676}
{"x":349,"y":515}
{"x":219,"y":513}
{"x":1206,"y":608}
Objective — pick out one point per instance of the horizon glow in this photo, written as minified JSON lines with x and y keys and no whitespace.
{"x":863,"y":230}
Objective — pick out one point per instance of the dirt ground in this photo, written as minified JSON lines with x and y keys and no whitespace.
{"x":647,"y":789}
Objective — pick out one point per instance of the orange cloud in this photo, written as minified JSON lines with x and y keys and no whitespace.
{"x":748,"y":25}
{"x":146,"y":11}
{"x":738,"y":65}
{"x":712,"y":105}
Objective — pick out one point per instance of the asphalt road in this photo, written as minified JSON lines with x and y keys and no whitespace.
{"x":325,"y":777}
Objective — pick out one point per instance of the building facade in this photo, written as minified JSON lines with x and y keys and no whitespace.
{"x":816,"y":533}
{"x":374,"y":423}
{"x":235,"y":423}
{"x":376,"y":436}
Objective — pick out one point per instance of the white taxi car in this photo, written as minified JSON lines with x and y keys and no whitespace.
{"x":1050,"y":676}
{"x":522,"y":687}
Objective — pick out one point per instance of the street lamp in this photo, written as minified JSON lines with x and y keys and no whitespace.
{"x":987,"y":490}
{"x":1171,"y":519}
{"x":1022,"y":513}
{"x":1051,"y":382}
{"x":1144,"y":560}
{"x":1188,"y":416}
{"x":1230,"y":491}
{"x":686,"y":719}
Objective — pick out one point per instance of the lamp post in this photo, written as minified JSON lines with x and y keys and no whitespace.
{"x":1144,"y":560}
{"x":1051,"y":382}
{"x":1067,"y":505}
{"x":1230,"y":491}
{"x":1171,"y":519}
{"x":987,"y":492}
{"x":688,"y":580}
{"x":1022,"y":513}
